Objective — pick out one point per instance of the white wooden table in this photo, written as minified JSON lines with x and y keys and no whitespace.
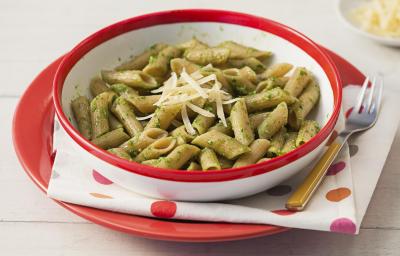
{"x":33,"y":33}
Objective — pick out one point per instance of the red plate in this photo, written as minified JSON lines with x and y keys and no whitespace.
{"x":32,"y":135}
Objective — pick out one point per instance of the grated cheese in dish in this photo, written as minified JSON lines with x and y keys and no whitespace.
{"x":380,"y":17}
{"x":188,"y":87}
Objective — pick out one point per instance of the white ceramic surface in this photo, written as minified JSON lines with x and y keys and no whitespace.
{"x":110,"y":53}
{"x":344,"y":8}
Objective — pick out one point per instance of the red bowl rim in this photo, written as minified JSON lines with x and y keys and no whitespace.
{"x":199,"y":15}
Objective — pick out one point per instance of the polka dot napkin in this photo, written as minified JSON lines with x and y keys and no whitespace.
{"x":338,"y":205}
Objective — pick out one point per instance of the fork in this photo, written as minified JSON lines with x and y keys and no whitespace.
{"x":362,"y":117}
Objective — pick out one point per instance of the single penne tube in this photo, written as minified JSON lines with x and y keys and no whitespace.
{"x":298,"y":81}
{"x":156,"y":149}
{"x":214,"y":56}
{"x":97,"y":86}
{"x":141,"y":60}
{"x":256,"y":119}
{"x":182,"y":135}
{"x":202,"y":123}
{"x":274,"y":122}
{"x":121,"y":153}
{"x":239,"y":81}
{"x":176,"y":159}
{"x":144,"y":104}
{"x":264,"y":159}
{"x":307,"y":100}
{"x":267,"y":99}
{"x":308,"y":129}
{"x":178,"y":64}
{"x":194,"y":166}
{"x":258,"y":149}
{"x":111,"y":139}
{"x":272,"y":83}
{"x":99,"y":112}
{"x":253,"y":63}
{"x":192,"y":43}
{"x":81,"y":110}
{"x":290,"y":142}
{"x":114,"y":123}
{"x":238,"y":51}
{"x":241,"y":124}
{"x":134,"y":78}
{"x":140,"y":141}
{"x":209,"y":160}
{"x":276,"y":70}
{"x":277,"y":142}
{"x":163,"y":116}
{"x":221,"y":143}
{"x":220,"y":127}
{"x":159,"y":65}
{"x":225,"y":163}
{"x":123,"y":90}
{"x":124,"y":112}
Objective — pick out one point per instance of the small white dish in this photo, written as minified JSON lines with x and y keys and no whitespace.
{"x":344,"y":8}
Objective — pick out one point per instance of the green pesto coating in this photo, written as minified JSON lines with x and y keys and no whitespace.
{"x":99,"y":112}
{"x":256,"y":119}
{"x":220,"y":127}
{"x":271,"y":83}
{"x":290,"y":142}
{"x":241,"y":124}
{"x":181,"y":134}
{"x":239,"y":81}
{"x":120,"y":153}
{"x":124,"y":112}
{"x":268,"y":99}
{"x":277,"y":142}
{"x":308,"y":129}
{"x":258,"y":149}
{"x":176,"y":159}
{"x":134,"y":78}
{"x":111,"y":139}
{"x":141,"y":60}
{"x":159,"y":64}
{"x":298,"y":81}
{"x":221,"y":144}
{"x":215,"y":56}
{"x":274,"y":122}
{"x":143,"y":139}
{"x":238,"y":51}
{"x":202,"y":123}
{"x":123,"y":89}
{"x":251,"y":62}
{"x":163,"y":116}
{"x":81,"y":110}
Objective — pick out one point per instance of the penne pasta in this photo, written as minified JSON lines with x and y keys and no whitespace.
{"x":274,"y":122}
{"x":98,"y":86}
{"x":176,"y":159}
{"x":241,"y":124}
{"x":143,"y":139}
{"x":81,"y":110}
{"x":215,"y":56}
{"x":141,"y":60}
{"x":298,"y":81}
{"x":99,"y":112}
{"x":257,"y":150}
{"x":134,"y":78}
{"x":111,"y":139}
{"x":156,"y":149}
{"x":268,"y":99}
{"x":124,"y":112}
{"x":308,"y":129}
{"x":209,"y":160}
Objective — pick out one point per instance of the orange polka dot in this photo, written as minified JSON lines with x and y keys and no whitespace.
{"x":336,"y":195}
{"x":98,"y":195}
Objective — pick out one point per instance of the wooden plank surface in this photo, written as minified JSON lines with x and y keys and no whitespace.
{"x":35,"y":33}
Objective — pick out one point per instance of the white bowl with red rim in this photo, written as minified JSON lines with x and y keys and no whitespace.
{"x":113,"y":44}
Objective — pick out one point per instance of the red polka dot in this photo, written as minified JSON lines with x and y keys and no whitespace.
{"x":343,"y":225}
{"x":335,"y":168}
{"x":283,"y":212}
{"x":100,"y":178}
{"x":332,"y":138}
{"x":163,"y":209}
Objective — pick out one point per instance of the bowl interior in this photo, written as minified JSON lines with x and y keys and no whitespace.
{"x":118,"y":49}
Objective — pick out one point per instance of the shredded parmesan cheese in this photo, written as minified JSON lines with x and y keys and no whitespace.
{"x":186,"y":88}
{"x":145,"y":117}
{"x":380,"y":17}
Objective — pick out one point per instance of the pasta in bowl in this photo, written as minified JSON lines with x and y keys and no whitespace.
{"x":197,"y":119}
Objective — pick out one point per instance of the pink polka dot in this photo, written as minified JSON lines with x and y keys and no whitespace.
{"x":163,"y":209}
{"x":283,"y":212}
{"x":335,"y":168}
{"x":100,"y":178}
{"x":343,"y":225}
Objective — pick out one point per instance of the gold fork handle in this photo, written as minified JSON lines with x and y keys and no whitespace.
{"x":299,"y":199}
